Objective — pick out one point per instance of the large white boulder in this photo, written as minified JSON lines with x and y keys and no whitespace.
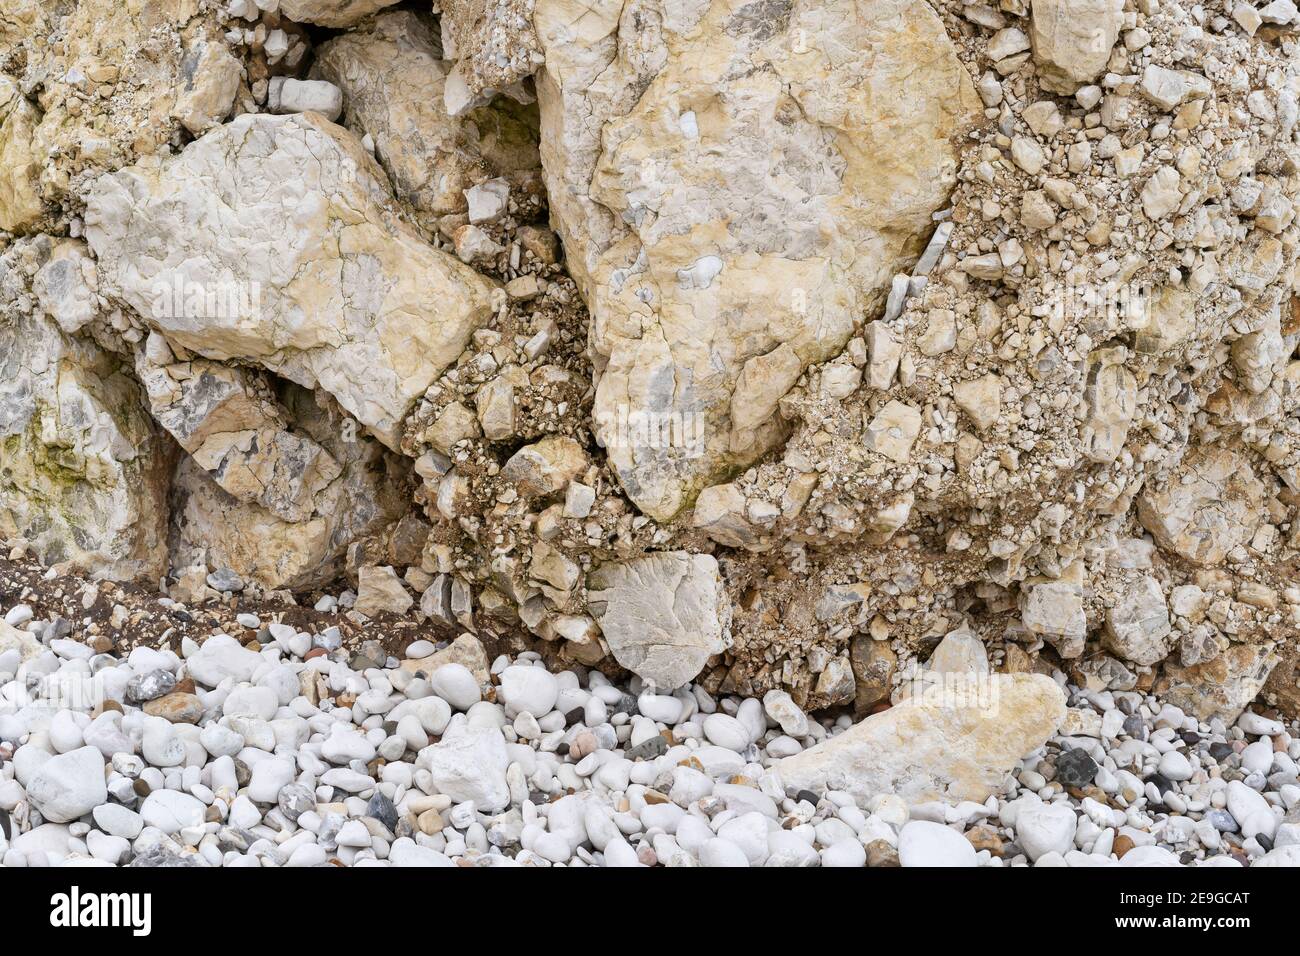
{"x":470,"y":765}
{"x":68,"y":786}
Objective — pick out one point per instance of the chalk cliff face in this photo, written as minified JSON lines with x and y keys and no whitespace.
{"x":760,"y":343}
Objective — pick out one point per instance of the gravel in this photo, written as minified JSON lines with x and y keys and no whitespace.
{"x":286,"y":761}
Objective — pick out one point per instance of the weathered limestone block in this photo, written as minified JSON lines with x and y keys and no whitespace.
{"x":285,"y":94}
{"x":1072,"y":40}
{"x":67,"y":285}
{"x":1137,"y":627}
{"x":720,"y":513}
{"x":874,"y":663}
{"x":1111,"y":394}
{"x":936,"y":745}
{"x":380,"y":590}
{"x":960,"y":652}
{"x":494,"y":403}
{"x":393,"y":81}
{"x":1054,"y":610}
{"x":663,"y":615}
{"x":1221,"y":687}
{"x":545,"y":467}
{"x":83,"y":474}
{"x":981,"y":400}
{"x":464,"y":650}
{"x":1259,"y":355}
{"x":1211,"y":503}
{"x":673,"y":137}
{"x":1170,"y":89}
{"x":893,"y":431}
{"x":1170,"y":315}
{"x":210,"y":78}
{"x":281,"y":225}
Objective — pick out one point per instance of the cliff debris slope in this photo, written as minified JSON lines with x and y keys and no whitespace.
{"x":758,"y":343}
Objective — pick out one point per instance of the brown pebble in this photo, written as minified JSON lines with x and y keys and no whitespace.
{"x":1089,"y":791}
{"x":880,"y":853}
{"x":176,"y":707}
{"x":984,"y":838}
{"x":1122,"y":845}
{"x":429,"y":822}
{"x":583,"y":744}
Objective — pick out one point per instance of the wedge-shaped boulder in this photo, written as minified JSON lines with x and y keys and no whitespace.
{"x":956,"y":740}
{"x":272,"y":240}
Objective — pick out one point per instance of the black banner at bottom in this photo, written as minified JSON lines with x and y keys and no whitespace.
{"x":1068,"y":904}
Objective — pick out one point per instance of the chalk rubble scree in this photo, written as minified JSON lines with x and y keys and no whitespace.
{"x":756,"y":348}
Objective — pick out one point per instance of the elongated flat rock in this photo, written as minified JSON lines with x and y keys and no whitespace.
{"x":952,"y":745}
